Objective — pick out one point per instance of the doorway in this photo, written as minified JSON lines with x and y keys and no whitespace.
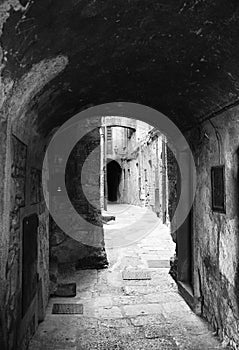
{"x":29,"y":261}
{"x":185,"y":245}
{"x":114,"y":172}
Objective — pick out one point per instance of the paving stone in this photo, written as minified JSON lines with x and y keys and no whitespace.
{"x":136,"y":282}
{"x":136,"y":275}
{"x":161,"y":298}
{"x":125,"y":334}
{"x":113,"y":312}
{"x":157,"y":331}
{"x":101,"y":334}
{"x":108,"y":345}
{"x":103,"y":301}
{"x":144,"y":290}
{"x":160,"y":273}
{"x":130,"y":261}
{"x":139,"y":344}
{"x":147,"y":320}
{"x":65,"y":290}
{"x":113,"y":323}
{"x":158,"y":263}
{"x":129,"y":300}
{"x":153,"y":344}
{"x":140,"y":309}
{"x":126,"y":314}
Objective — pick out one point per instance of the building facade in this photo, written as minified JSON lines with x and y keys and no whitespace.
{"x":136,"y":163}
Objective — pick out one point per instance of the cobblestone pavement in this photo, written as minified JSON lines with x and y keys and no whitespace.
{"x":127,"y":314}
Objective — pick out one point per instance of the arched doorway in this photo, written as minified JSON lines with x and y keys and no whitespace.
{"x":113,"y":180}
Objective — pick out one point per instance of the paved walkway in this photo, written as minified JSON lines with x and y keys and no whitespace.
{"x":127,"y":314}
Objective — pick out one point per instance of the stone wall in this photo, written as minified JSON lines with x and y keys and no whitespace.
{"x":83,"y":187}
{"x":144,"y":178}
{"x":26,"y":198}
{"x":216,"y":234}
{"x":140,"y":151}
{"x":140,"y":168}
{"x":22,"y":149}
{"x":173,"y":175}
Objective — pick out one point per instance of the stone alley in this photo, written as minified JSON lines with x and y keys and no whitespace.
{"x":119,"y":174}
{"x":121,"y":313}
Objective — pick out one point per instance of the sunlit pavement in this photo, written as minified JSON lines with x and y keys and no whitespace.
{"x":127,"y":314}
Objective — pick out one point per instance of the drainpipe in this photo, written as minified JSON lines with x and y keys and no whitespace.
{"x":105,"y":168}
{"x":102,"y":166}
{"x":163,"y":180}
{"x":166,"y":182}
{"x":157,"y":204}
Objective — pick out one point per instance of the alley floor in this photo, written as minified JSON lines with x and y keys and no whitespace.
{"x":120,"y":312}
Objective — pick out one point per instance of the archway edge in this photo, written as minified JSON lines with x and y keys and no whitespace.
{"x":133,"y":110}
{"x":71,"y":132}
{"x":109,"y":159}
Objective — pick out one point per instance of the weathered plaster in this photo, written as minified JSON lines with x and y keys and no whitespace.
{"x":15,"y":118}
{"x":216,"y":234}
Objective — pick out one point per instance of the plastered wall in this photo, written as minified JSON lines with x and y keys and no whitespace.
{"x":216,"y":234}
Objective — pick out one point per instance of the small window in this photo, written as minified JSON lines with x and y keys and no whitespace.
{"x":130,"y":132}
{"x":109,"y":133}
{"x":218,"y":188}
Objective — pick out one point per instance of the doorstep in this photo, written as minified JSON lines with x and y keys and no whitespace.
{"x":186,"y":292}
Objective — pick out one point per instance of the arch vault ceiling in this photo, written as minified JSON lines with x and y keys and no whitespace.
{"x":180,"y":57}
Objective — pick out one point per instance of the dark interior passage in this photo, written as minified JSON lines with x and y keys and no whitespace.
{"x":113,"y":180}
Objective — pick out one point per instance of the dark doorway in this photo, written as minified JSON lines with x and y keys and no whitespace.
{"x":185,"y":239}
{"x":113,"y":180}
{"x":184,"y":247}
{"x":29,"y":261}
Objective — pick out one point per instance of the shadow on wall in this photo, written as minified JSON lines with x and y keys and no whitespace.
{"x":88,"y":250}
{"x":114,"y":173}
{"x":174,"y":187}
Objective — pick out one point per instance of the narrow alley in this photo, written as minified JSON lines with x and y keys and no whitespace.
{"x":134,"y":304}
{"x":119,"y":174}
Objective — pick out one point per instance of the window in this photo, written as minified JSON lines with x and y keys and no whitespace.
{"x":109,"y":133}
{"x":130,"y":132}
{"x":218,"y":188}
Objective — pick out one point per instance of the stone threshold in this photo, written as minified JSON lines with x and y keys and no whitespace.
{"x":186,"y":291}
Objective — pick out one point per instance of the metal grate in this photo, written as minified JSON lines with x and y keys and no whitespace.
{"x":136,"y":275}
{"x":67,"y":309}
